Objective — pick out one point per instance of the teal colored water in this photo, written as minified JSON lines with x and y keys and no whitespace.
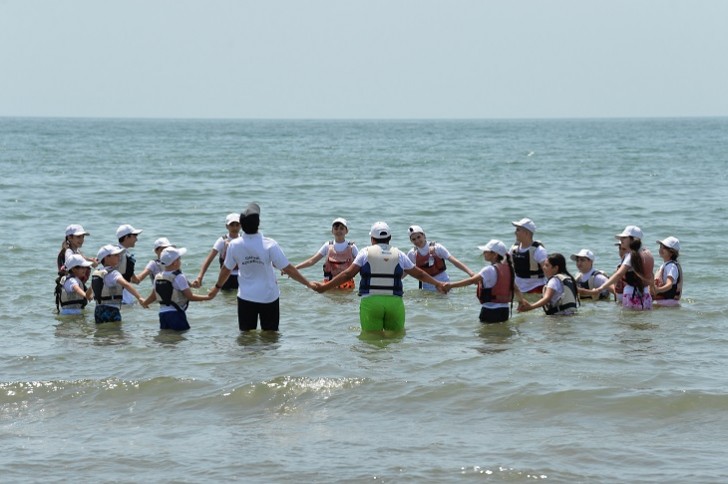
{"x":602,"y":396}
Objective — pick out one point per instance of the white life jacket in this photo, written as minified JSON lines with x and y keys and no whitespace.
{"x":382,"y":273}
{"x":167,"y":295}
{"x":568,"y":299}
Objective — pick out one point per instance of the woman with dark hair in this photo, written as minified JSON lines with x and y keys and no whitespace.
{"x":559,"y":293}
{"x":635,"y":271}
{"x":495,"y":283}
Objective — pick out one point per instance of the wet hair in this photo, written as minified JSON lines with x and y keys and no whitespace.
{"x":250,"y":223}
{"x":637,"y":263}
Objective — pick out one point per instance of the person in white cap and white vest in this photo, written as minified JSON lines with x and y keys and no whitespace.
{"x":669,"y":278}
{"x":382,"y":267}
{"x":528,"y":256}
{"x":339,"y":254}
{"x":127,"y":236}
{"x":155,"y":267}
{"x":431,"y":257}
{"x":219,"y":250}
{"x":108,"y":285}
{"x":635,"y":270}
{"x":257,"y":257}
{"x":173,"y":292}
{"x":588,"y":277}
{"x":496,"y":286}
{"x":75,"y":237}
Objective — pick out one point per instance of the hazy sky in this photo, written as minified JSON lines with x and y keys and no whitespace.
{"x":363,"y":59}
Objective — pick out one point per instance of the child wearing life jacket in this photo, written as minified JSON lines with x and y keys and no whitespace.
{"x":528,"y":256}
{"x":495,"y":283}
{"x":559,"y":294}
{"x":669,"y":279}
{"x":75,"y":236}
{"x":219,"y":250}
{"x":588,"y":277}
{"x":154,"y":267}
{"x":635,"y":271}
{"x":71,"y":292}
{"x":128,"y":237}
{"x":173,"y":292}
{"x":431,"y":257}
{"x":338,"y":253}
{"x":108,"y":285}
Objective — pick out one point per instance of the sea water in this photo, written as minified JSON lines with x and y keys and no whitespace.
{"x":601,"y":396}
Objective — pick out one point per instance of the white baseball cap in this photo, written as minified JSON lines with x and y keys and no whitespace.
{"x":162,"y":242}
{"x":630,"y":231}
{"x":494,"y":246}
{"x":107,"y":250}
{"x":583,"y":253}
{"x":232,"y":218}
{"x":251,"y":209}
{"x":416,"y":229}
{"x":171,"y":254}
{"x":380,"y":230}
{"x":76,"y":260}
{"x":527,"y":224}
{"x":126,"y":229}
{"x":340,"y":220}
{"x":670,"y":243}
{"x":75,"y":229}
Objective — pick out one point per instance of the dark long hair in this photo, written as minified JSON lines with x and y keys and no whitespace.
{"x":637,"y":264}
{"x":556,"y":259}
{"x":511,"y":283}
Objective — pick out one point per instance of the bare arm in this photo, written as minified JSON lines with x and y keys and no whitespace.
{"x":526,"y":306}
{"x":474,"y":279}
{"x":460,"y":265}
{"x":197,"y":282}
{"x":423,"y":276}
{"x":340,"y":278}
{"x":196,"y":297}
{"x":293,"y":273}
{"x":221,"y":278}
{"x":310,"y":261}
{"x":126,"y":285}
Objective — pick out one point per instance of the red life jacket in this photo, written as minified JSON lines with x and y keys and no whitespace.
{"x":337,"y":262}
{"x":423,"y":261}
{"x":501,"y":292}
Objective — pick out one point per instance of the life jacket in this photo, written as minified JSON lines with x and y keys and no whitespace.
{"x":382,"y":273}
{"x":619,"y":285}
{"x":648,"y":265}
{"x":167,"y":294}
{"x":429,"y":262}
{"x":676,"y":290}
{"x":65,"y":299}
{"x":102,"y":293}
{"x":502,"y":291}
{"x":221,"y":256}
{"x":589,"y":284}
{"x":337,"y":262}
{"x":126,"y":265}
{"x":524,"y":263}
{"x":568,"y":299}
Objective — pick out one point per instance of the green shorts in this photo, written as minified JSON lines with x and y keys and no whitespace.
{"x":381,"y":313}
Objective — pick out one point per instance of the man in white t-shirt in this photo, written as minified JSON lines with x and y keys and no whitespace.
{"x":257,"y":259}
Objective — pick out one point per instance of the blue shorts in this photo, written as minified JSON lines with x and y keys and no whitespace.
{"x":106,"y":314}
{"x":176,"y":320}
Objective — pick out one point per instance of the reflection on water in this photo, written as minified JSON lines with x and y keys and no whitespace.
{"x":74,"y":326}
{"x":259,"y":340}
{"x":497,"y":337}
{"x":170,"y":337}
{"x":109,"y":334}
{"x":381,"y":339}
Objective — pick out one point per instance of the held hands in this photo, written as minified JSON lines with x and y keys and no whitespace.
{"x":443,"y":287}
{"x":196,"y":283}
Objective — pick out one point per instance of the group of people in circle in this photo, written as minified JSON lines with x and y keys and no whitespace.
{"x":249,"y":262}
